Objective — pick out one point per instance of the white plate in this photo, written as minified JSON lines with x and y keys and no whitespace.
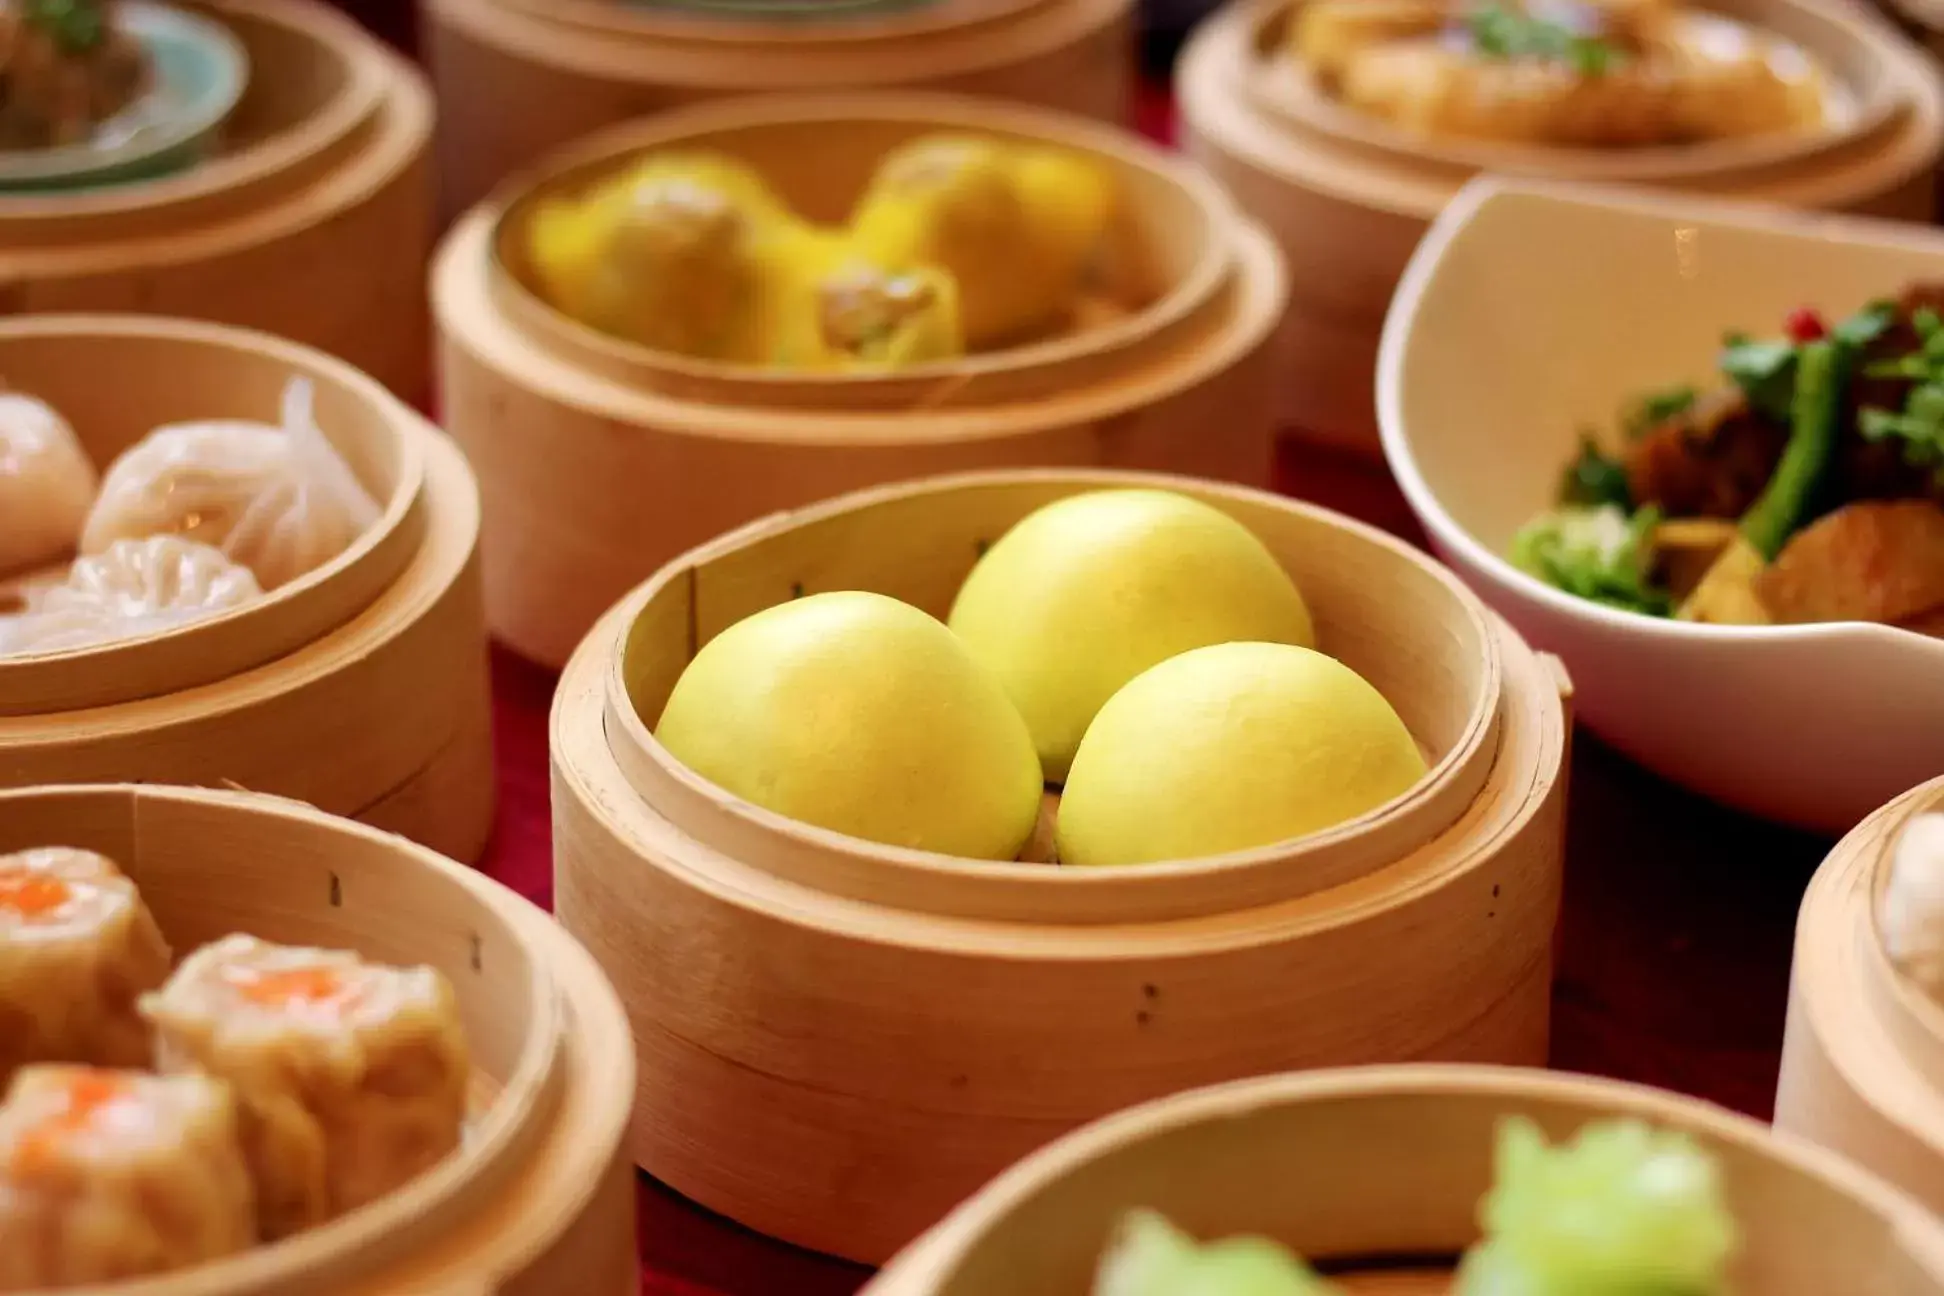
{"x":1534,"y":310}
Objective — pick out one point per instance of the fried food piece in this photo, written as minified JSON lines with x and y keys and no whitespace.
{"x":1328,"y":34}
{"x":1880,"y":561}
{"x":1686,"y":548}
{"x":1710,"y":461}
{"x":1728,"y":594}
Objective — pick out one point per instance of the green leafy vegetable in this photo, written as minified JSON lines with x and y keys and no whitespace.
{"x":1920,"y":424}
{"x":1150,"y":1257}
{"x":1619,"y":1210}
{"x":76,"y":26}
{"x":1501,"y":33}
{"x":1595,"y":478}
{"x":1656,"y":408}
{"x":1867,"y":325}
{"x":1764,"y":370}
{"x":1599,"y":553}
{"x":1815,"y":410}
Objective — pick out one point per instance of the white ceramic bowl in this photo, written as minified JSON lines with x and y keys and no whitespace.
{"x":1532,"y":311}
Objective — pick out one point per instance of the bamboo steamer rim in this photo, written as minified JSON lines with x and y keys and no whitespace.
{"x":848,"y":865}
{"x":232,"y":178}
{"x":1215,"y":62}
{"x":1916,"y":1019}
{"x":447,"y":1191}
{"x":1278,"y":88}
{"x":1176,"y":311}
{"x":648,"y":22}
{"x":933,"y":1263}
{"x":281,"y":620}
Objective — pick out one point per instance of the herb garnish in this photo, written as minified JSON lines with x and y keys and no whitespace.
{"x":1656,"y":408}
{"x":76,"y":26}
{"x":1920,"y":425}
{"x":1502,"y":33}
{"x":1765,"y":369}
{"x":1595,"y":478}
{"x":1601,"y":553}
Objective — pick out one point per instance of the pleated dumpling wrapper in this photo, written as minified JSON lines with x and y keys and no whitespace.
{"x":352,"y":1075}
{"x":1018,"y":227}
{"x":1911,"y":913}
{"x":108,"y":1175}
{"x":46,"y":483}
{"x":77,"y":949}
{"x":833,"y":308}
{"x":131,"y":588}
{"x":279,"y":500}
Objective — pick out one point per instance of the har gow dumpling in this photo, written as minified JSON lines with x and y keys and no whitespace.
{"x":133,"y":588}
{"x":1911,"y":917}
{"x":46,"y":483}
{"x":280,"y":501}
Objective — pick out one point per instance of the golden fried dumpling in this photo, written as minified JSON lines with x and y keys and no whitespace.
{"x":1730,"y":81}
{"x":1016,"y":226}
{"x":352,"y":1075}
{"x":107,"y":1175}
{"x":1327,"y":34}
{"x":77,"y":948}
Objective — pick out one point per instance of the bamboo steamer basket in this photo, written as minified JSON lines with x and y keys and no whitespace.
{"x":838,"y":1040}
{"x":1375,"y":1174}
{"x":600,"y":460}
{"x":540,"y":1200}
{"x":1347,"y":200}
{"x":1863,"y":1056}
{"x":312,"y":222}
{"x":360,"y":688}
{"x":520,"y":78}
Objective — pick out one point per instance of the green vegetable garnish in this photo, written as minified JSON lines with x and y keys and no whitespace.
{"x":1502,"y":33}
{"x":1656,"y":408}
{"x":1867,"y":325}
{"x":1599,"y":553}
{"x":1595,"y":478}
{"x":1920,"y":424}
{"x":76,"y":26}
{"x":1150,"y":1257}
{"x":1764,"y":370}
{"x":1816,"y":405}
{"x":1619,"y":1210}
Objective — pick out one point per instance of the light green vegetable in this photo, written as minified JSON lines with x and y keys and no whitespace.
{"x":1151,"y":1257}
{"x":1619,"y":1210}
{"x":1815,"y":410}
{"x":1600,"y":553}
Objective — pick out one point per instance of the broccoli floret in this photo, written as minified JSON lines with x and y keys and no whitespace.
{"x":1600,"y":553}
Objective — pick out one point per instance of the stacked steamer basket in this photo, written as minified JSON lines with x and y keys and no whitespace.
{"x":1863,"y":1060}
{"x":310,"y":217}
{"x":838,"y":1040}
{"x":539,"y":1198}
{"x":1348,"y":197}
{"x":360,"y":687}
{"x":519,"y":78}
{"x":599,"y":460}
{"x":1357,"y":1169}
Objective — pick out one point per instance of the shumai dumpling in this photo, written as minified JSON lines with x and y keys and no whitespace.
{"x":673,"y":254}
{"x":832,"y":308}
{"x":352,"y":1076}
{"x":77,"y":950}
{"x":132,"y":588}
{"x":279,"y":500}
{"x":46,"y":483}
{"x":108,"y":1175}
{"x":1016,"y":226}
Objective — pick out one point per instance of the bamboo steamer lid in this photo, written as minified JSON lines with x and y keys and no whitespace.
{"x":1863,"y":1056}
{"x":312,"y":222}
{"x":360,"y":687}
{"x":600,"y":460}
{"x":540,"y":1199}
{"x":1347,"y":198}
{"x":520,"y":78}
{"x":839,"y":1040}
{"x":1378,"y":1170}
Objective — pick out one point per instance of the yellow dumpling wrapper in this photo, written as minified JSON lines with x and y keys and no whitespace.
{"x":1016,"y":226}
{"x":831,"y":308}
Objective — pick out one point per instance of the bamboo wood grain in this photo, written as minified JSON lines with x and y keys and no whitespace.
{"x":838,"y":1040}
{"x":361,"y":689}
{"x":539,"y":1200}
{"x":519,"y":79}
{"x":1347,"y":205}
{"x":1863,"y":1055}
{"x":598,"y":460}
{"x":1355,"y":1164}
{"x":313,"y":223}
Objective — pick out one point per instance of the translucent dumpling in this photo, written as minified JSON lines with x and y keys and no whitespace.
{"x":133,"y":588}
{"x":46,"y":483}
{"x":279,"y":500}
{"x":1911,"y":916}
{"x":1017,"y":227}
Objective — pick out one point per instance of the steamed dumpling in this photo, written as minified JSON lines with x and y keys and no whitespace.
{"x":1912,"y":914}
{"x":280,"y":501}
{"x":830,"y":307}
{"x":1017,"y":227}
{"x":46,"y":483}
{"x":133,"y":588}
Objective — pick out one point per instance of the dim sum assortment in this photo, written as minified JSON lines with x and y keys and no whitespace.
{"x":1620,"y":1207}
{"x":959,"y":244}
{"x":193,"y":520}
{"x":1807,"y":486}
{"x":1579,"y":73}
{"x":288,"y":1087}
